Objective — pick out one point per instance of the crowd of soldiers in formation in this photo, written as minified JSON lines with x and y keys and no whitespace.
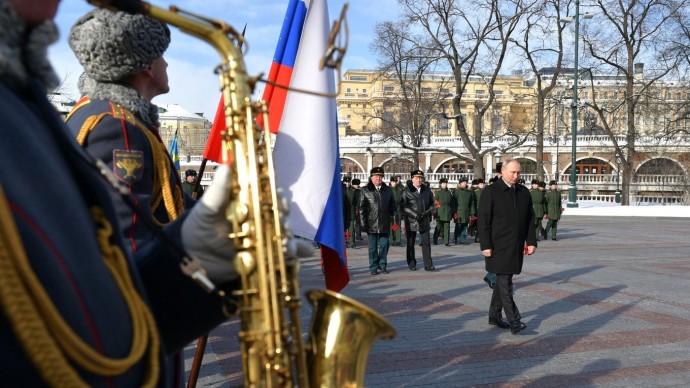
{"x":457,"y":205}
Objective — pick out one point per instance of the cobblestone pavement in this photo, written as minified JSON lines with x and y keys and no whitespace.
{"x":607,"y":305}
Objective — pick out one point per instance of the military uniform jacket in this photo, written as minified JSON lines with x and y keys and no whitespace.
{"x":397,"y":198}
{"x":444,"y":199}
{"x":417,"y":207}
{"x":353,"y":197}
{"x":538,"y":203}
{"x":189,"y":189}
{"x":51,"y":206}
{"x":553,"y":204}
{"x":136,"y":155}
{"x":464,"y":205}
{"x":505,"y":223}
{"x":376,"y":208}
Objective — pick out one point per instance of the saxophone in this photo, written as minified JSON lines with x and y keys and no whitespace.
{"x":273,"y":351}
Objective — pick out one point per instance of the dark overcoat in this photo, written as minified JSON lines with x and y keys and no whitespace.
{"x":505,"y":223}
{"x":417,"y":207}
{"x":376,"y":208}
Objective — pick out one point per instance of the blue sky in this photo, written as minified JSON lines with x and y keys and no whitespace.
{"x":191,"y":61}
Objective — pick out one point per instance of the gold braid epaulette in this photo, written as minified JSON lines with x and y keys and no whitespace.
{"x":173,"y":199}
{"x":42,"y":332}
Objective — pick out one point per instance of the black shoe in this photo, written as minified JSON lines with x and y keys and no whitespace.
{"x":500,"y":322}
{"x":447,"y":245}
{"x":384,"y":271}
{"x":554,"y":239}
{"x":413,"y":268}
{"x":375,"y":272}
{"x":432,"y":268}
{"x":516,"y":326}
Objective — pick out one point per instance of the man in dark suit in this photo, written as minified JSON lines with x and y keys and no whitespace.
{"x":505,"y":226}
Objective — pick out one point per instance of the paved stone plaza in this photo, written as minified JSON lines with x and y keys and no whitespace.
{"x":608,"y":305}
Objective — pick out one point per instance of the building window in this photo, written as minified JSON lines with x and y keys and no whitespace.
{"x":480,"y":91}
{"x":348,"y":90}
{"x":426,"y":90}
{"x":364,"y":90}
{"x":358,"y":78}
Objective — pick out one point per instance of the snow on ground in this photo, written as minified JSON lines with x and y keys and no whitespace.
{"x":600,"y":208}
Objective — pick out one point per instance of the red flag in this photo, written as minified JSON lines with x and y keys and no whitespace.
{"x":214,"y":142}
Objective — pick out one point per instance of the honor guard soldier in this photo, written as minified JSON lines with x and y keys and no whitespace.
{"x":539,"y":205}
{"x":477,"y":195}
{"x":78,"y":307}
{"x":464,"y":208}
{"x":115,"y":121}
{"x":418,"y":206}
{"x":553,"y":210}
{"x":352,"y":197}
{"x":443,"y":204}
{"x":396,"y":227}
{"x":355,"y":185}
{"x":190,"y":183}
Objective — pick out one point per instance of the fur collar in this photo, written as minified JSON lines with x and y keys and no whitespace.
{"x":371,"y":186}
{"x":411,"y":187}
{"x":24,"y":50}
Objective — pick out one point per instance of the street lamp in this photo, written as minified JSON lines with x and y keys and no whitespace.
{"x":618,"y":179}
{"x":572,"y":191}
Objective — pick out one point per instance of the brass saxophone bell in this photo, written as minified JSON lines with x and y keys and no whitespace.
{"x":342,"y":332}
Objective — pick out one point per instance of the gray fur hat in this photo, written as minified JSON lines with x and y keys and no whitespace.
{"x":111,"y":45}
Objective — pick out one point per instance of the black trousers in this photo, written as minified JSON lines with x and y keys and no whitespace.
{"x":502,"y":299}
{"x":426,"y":249}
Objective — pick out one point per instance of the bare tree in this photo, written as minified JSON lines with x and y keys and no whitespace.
{"x":630,"y":34}
{"x":540,"y":29}
{"x":458,"y":36}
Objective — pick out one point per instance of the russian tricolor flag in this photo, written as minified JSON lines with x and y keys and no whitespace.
{"x":306,"y":155}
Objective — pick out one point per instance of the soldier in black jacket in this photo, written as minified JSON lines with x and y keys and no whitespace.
{"x":376,"y":209}
{"x":418,"y":205}
{"x":506,"y":226}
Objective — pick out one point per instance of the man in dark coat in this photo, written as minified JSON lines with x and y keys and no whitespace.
{"x":376,"y":209}
{"x":506,"y":225}
{"x":418,"y":206}
{"x":355,"y":204}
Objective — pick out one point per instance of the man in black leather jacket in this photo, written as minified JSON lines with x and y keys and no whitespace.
{"x":418,"y":206}
{"x":376,"y":209}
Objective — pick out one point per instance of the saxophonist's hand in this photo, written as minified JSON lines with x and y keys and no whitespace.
{"x":205,"y":231}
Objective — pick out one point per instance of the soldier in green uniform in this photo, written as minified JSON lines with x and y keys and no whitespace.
{"x":350,"y":194}
{"x":553,"y":210}
{"x":396,"y":228}
{"x":465,"y":207}
{"x":477,"y":194}
{"x":542,"y":188}
{"x":539,"y":206}
{"x":443,"y":214}
{"x":357,"y":230}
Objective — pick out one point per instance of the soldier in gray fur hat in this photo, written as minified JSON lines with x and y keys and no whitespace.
{"x":124,"y":69}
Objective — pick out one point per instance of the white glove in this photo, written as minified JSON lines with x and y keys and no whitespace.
{"x":205,"y":231}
